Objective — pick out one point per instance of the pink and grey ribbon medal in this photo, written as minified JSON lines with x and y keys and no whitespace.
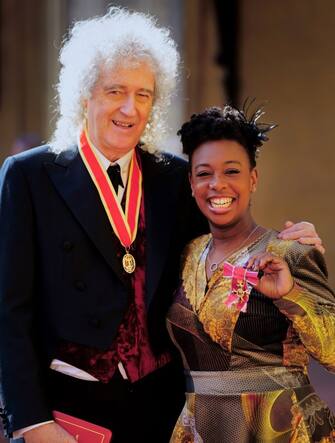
{"x":239,"y":289}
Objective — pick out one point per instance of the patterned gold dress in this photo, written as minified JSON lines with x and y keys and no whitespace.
{"x":246,"y":371}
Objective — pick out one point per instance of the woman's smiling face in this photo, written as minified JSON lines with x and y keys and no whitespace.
{"x":222,"y":180}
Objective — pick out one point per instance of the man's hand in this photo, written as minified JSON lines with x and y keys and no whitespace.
{"x":303,"y":232}
{"x":48,"y":433}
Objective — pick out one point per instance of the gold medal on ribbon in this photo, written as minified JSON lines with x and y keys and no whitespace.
{"x":128,"y":263}
{"x":124,"y":224}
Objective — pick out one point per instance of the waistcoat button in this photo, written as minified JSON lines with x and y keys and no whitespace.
{"x":67,"y":245}
{"x":80,"y":285}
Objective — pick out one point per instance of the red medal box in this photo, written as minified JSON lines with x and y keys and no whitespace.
{"x":83,"y":431}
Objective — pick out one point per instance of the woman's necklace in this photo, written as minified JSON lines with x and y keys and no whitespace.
{"x":213,"y":266}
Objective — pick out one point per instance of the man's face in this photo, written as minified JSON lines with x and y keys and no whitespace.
{"x":119,"y":108}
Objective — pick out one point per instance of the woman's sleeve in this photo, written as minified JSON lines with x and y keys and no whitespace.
{"x":310,"y":305}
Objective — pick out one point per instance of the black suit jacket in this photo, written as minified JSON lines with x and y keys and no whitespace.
{"x":60,"y":278}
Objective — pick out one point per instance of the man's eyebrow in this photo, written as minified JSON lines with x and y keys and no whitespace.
{"x":113,"y":86}
{"x":119,"y":86}
{"x":149,"y":91}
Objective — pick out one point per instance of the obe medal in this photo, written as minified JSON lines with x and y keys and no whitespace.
{"x":128,"y":263}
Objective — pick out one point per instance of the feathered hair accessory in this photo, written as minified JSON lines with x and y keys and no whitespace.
{"x":256,"y":132}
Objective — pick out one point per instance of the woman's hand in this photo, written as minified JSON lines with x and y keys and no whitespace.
{"x":48,"y":433}
{"x":303,"y":232}
{"x":276,"y":280}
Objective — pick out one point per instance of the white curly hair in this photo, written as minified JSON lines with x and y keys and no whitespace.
{"x":118,"y":37}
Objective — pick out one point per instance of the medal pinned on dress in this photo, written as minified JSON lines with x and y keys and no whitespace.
{"x":124,"y":223}
{"x":239,"y":289}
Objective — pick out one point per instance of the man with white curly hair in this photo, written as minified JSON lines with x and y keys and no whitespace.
{"x":101,"y":218}
{"x":92,"y":228}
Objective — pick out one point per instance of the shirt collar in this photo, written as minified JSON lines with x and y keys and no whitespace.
{"x":123,"y":161}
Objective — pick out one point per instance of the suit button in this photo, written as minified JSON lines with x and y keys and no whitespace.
{"x":68,"y":245}
{"x":80,"y":285}
{"x":95,"y":322}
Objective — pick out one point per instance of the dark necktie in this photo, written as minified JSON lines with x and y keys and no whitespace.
{"x":114,"y":174}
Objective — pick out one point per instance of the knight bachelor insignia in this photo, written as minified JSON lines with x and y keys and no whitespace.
{"x":123,"y":222}
{"x":128,"y":263}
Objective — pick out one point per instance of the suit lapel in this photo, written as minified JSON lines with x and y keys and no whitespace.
{"x":72,"y":181}
{"x":160,"y":208}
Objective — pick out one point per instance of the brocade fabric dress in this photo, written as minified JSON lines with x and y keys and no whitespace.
{"x":246,"y":372}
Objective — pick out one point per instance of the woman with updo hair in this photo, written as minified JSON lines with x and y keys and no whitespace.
{"x":250,"y":307}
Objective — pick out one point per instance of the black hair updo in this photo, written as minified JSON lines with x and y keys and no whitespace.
{"x":225,"y":124}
